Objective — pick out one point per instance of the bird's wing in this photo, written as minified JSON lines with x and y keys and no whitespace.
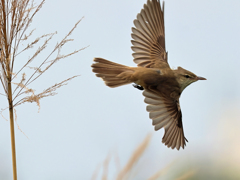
{"x":166,"y":113}
{"x":149,"y":36}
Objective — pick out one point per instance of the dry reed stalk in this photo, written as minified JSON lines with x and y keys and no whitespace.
{"x":134,"y":158}
{"x":95,"y":174}
{"x":105,"y":168}
{"x":15,"y":18}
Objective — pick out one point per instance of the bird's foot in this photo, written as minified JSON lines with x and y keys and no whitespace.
{"x":138,"y":87}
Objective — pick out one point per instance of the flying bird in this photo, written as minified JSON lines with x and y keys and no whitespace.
{"x":161,"y":85}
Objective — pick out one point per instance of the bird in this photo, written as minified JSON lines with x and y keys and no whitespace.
{"x":161,"y":85}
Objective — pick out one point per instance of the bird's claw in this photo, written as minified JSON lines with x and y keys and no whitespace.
{"x":138,"y":87}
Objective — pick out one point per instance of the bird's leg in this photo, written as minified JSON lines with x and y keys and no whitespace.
{"x":138,"y":87}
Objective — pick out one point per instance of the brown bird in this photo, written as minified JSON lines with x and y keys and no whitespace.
{"x":162,"y":86}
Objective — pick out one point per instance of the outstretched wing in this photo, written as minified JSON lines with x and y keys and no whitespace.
{"x":166,"y":113}
{"x":149,"y":36}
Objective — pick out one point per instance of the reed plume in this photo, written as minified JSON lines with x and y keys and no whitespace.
{"x":15,"y":18}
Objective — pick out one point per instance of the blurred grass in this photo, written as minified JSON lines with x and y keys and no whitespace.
{"x":220,"y":162}
{"x":128,"y":172}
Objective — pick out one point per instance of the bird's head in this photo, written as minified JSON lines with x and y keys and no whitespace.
{"x":185,"y":77}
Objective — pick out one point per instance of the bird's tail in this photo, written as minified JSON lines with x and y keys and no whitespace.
{"x":113,"y":74}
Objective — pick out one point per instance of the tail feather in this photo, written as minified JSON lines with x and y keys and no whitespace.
{"x":104,"y":61}
{"x":113,"y":74}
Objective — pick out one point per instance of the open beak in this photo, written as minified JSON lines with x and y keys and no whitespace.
{"x":200,"y":78}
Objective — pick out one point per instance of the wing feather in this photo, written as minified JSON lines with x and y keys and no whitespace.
{"x":166,"y":113}
{"x":149,"y":36}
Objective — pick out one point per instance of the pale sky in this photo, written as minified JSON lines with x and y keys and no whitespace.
{"x":86,"y":121}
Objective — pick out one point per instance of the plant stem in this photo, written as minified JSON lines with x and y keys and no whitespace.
{"x":14,"y":163}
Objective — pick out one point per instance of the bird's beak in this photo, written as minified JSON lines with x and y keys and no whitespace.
{"x":200,"y":78}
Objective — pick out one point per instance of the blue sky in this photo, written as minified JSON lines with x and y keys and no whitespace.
{"x":77,"y":129}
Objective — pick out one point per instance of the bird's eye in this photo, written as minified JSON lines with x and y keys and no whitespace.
{"x":186,"y":76}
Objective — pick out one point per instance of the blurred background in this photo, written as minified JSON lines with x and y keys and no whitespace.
{"x":76,"y":130}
